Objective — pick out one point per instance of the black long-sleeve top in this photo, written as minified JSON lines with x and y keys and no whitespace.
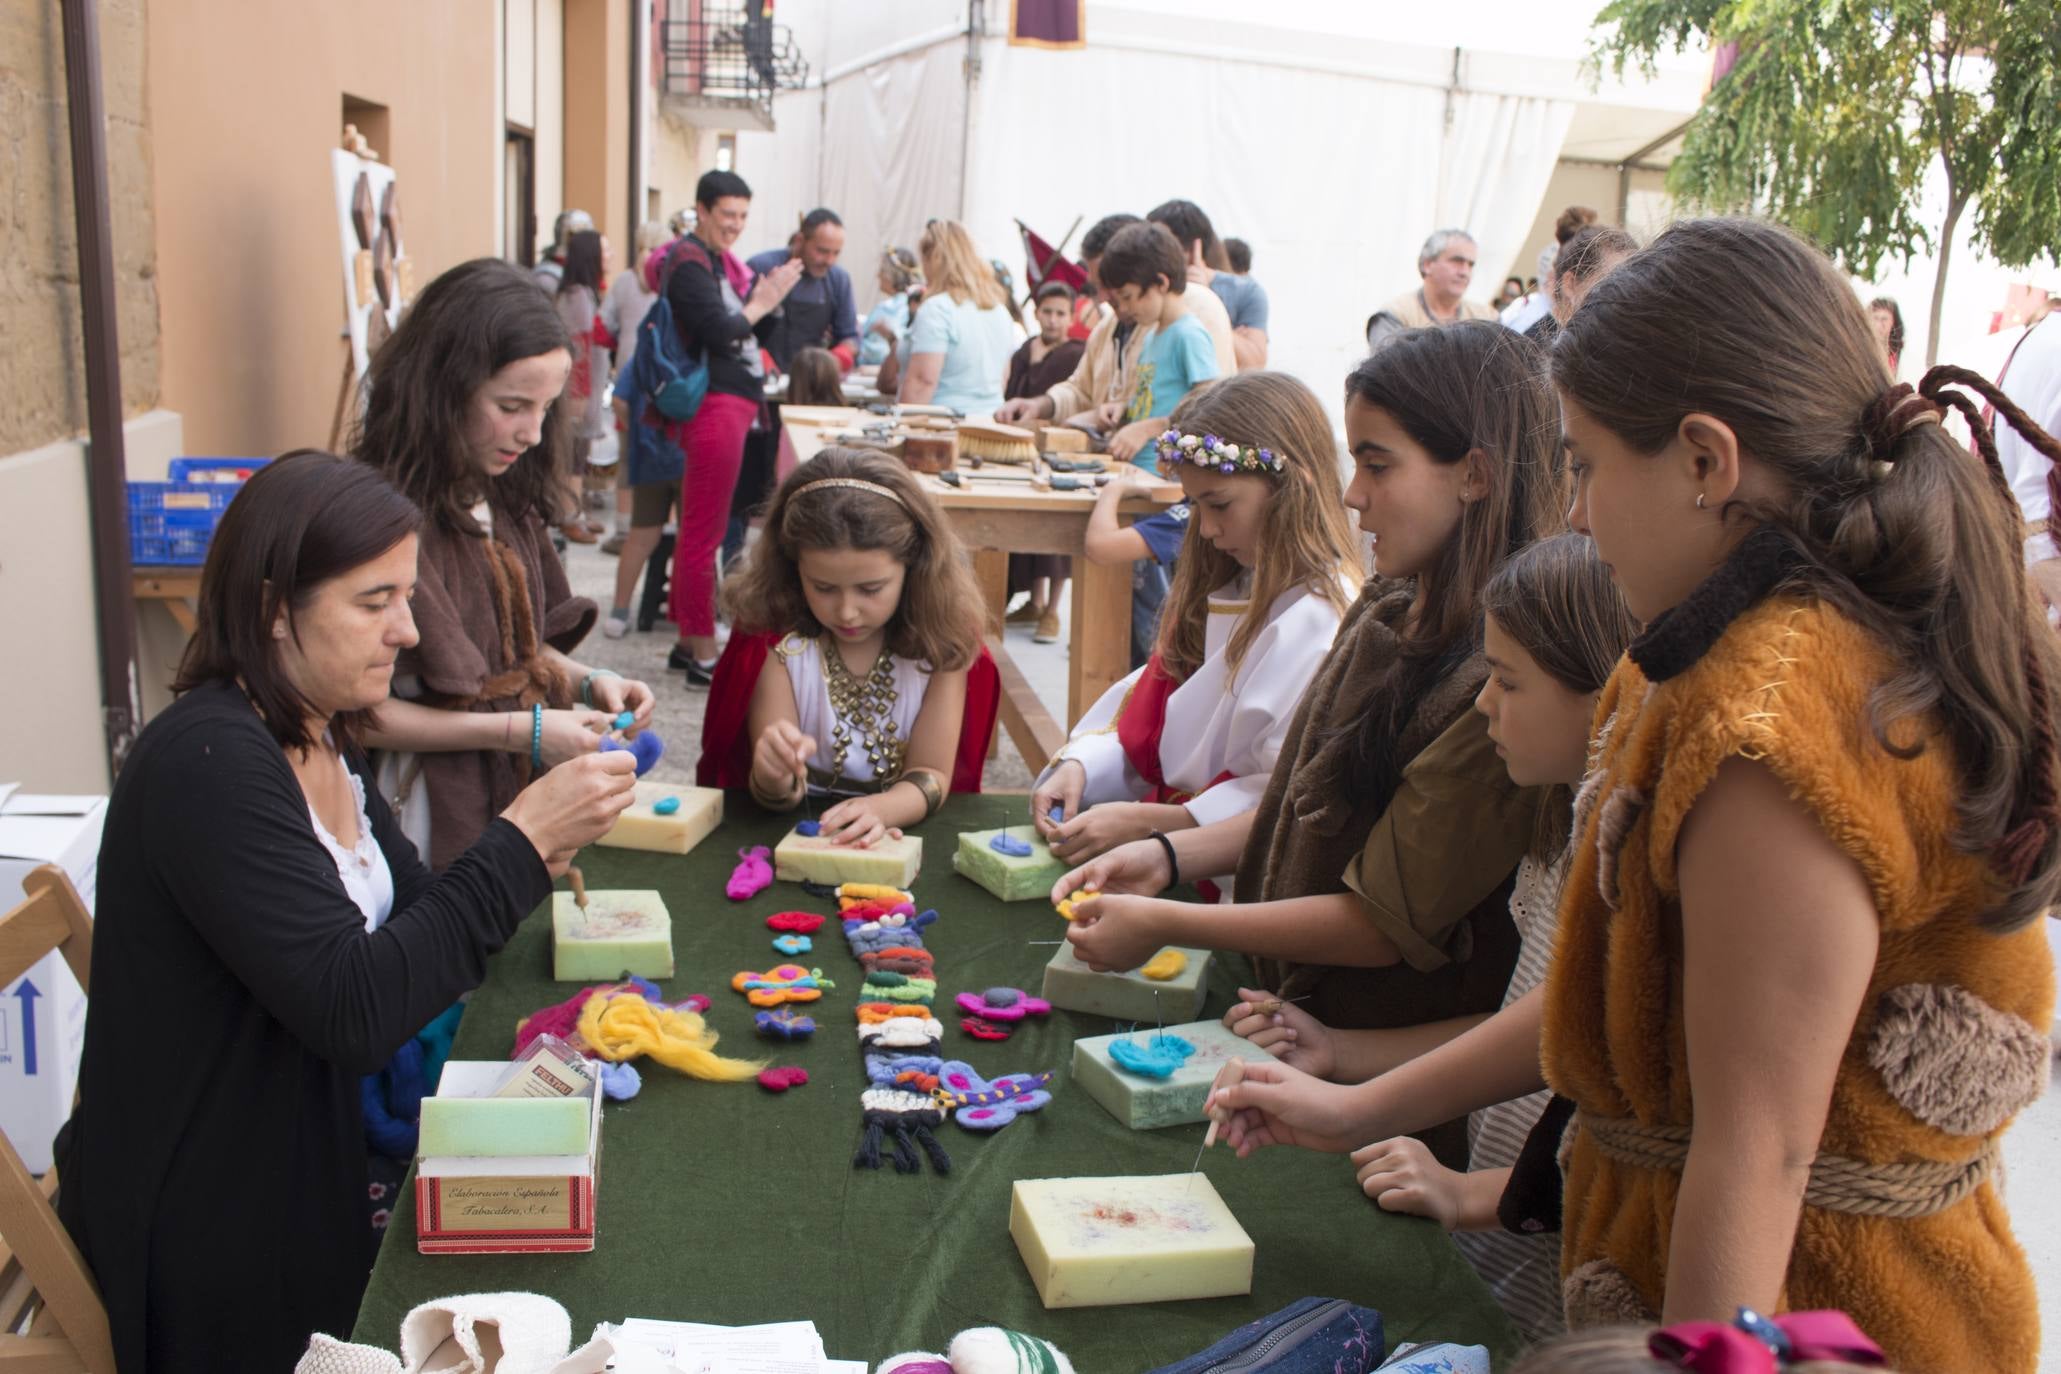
{"x":707,"y":321}
{"x":214,"y":1173}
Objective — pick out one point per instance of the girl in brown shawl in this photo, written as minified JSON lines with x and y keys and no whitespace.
{"x":462,"y":415}
{"x":1374,"y":877}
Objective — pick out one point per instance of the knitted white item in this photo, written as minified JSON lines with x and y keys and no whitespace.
{"x":328,"y":1355}
{"x":485,"y":1333}
{"x":993,"y":1350}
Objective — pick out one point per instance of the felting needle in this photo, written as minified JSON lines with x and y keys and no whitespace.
{"x":579,"y":885}
{"x":1232,"y":1072}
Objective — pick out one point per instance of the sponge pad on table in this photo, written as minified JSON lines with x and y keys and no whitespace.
{"x":1011,"y":877}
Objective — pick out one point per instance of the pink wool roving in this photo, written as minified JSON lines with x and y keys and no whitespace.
{"x":751,"y":877}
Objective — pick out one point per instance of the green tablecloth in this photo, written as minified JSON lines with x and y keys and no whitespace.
{"x":725,"y":1203}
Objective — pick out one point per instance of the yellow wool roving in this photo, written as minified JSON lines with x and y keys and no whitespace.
{"x":619,"y":1026}
{"x":1166,"y":964}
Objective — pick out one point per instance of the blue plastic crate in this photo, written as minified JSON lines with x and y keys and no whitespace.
{"x":230,"y":470}
{"x":170,"y":523}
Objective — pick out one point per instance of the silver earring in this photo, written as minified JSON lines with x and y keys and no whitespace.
{"x":1699,"y":500}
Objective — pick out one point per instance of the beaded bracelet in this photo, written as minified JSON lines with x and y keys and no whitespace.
{"x":587,"y":684}
{"x":537,"y":737}
{"x":1173,"y":863}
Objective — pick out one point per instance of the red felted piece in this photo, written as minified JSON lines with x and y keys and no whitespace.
{"x":983,"y":1030}
{"x":795,"y":922}
{"x":780,"y":1080}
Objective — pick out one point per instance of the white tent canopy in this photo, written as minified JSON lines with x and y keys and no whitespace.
{"x":1332,"y":142}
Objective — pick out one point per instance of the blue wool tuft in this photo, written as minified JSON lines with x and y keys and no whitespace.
{"x":625,"y":720}
{"x":808,"y":827}
{"x":620,"y":1082}
{"x":1006,"y":843}
{"x":646,"y":748}
{"x":793,"y":944}
{"x":665,"y":806}
{"x":1057,"y":815}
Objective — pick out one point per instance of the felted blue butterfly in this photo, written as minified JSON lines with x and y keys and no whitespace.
{"x":784,"y":1023}
{"x":979,"y":1105}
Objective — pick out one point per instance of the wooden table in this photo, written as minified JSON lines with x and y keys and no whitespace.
{"x":175,"y":588}
{"x":1000,"y":514}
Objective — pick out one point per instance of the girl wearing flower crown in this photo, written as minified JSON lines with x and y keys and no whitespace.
{"x":863,"y":698}
{"x":1375,"y":876}
{"x":1268,"y":566}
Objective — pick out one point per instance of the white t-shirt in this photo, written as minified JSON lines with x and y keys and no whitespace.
{"x":2032,"y":379}
{"x":803,"y":659}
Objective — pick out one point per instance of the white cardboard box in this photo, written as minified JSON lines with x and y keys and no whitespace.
{"x":43,"y":1014}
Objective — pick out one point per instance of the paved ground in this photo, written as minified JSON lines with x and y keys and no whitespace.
{"x":2032,"y":1149}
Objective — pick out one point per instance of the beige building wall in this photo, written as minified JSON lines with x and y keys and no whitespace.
{"x":597,"y":117}
{"x":680,"y":153}
{"x":246,"y":102}
{"x":50,"y":730}
{"x":550,"y":49}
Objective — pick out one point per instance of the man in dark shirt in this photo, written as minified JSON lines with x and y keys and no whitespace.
{"x":819,"y":312}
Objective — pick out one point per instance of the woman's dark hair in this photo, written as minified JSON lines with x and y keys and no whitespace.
{"x":814,"y":378}
{"x":1190,"y":225}
{"x":1095,"y":242}
{"x":1470,"y":387}
{"x":582,"y":262}
{"x":1896,"y":322}
{"x":467,"y":325}
{"x":1140,"y":255}
{"x":718,"y":185}
{"x":1890,"y":520}
{"x":299,"y":521}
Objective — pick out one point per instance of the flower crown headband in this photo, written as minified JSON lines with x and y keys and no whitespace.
{"x":1208,"y":451}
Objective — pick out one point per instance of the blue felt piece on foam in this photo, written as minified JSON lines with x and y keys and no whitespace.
{"x":808,"y":827}
{"x":625,"y":720}
{"x":646,"y":748}
{"x":665,"y":806}
{"x":793,"y":944}
{"x":1057,"y":815}
{"x":1157,"y":1057}
{"x":1006,"y":843}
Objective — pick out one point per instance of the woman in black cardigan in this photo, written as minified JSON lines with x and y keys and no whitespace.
{"x":265,"y":936}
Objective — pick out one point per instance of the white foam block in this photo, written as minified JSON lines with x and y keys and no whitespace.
{"x":1073,"y":986}
{"x":811,"y":858}
{"x":1144,"y":1103}
{"x":641,"y":827}
{"x":618,"y":932}
{"x":1099,"y":1242}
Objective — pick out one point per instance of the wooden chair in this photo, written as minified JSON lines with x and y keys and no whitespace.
{"x":51,"y":1318}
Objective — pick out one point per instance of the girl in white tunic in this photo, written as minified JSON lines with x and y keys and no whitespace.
{"x":861,"y":700}
{"x":1269,"y":565}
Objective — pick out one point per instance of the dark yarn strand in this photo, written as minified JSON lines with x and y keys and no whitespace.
{"x":2016,"y":854}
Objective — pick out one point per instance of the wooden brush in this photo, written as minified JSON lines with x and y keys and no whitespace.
{"x":993,"y":443}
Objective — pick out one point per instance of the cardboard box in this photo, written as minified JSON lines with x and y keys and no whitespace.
{"x":43,"y":1013}
{"x":506,"y":1204}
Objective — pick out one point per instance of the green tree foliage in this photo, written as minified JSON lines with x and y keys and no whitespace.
{"x":1835,"y":110}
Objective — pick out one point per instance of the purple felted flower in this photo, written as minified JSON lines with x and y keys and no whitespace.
{"x":1230,"y":467}
{"x":1267,"y":455}
{"x":1209,"y":441}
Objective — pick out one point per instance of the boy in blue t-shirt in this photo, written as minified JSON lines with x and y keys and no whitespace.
{"x":1145,"y":276}
{"x":1149,"y":545}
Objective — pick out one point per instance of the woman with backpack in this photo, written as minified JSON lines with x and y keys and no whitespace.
{"x":714,"y":305}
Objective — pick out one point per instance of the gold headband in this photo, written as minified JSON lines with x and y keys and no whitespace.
{"x":855,"y":483}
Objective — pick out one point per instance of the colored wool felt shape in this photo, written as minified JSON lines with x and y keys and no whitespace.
{"x":1066,"y":906}
{"x":901,"y":1033}
{"x":1006,"y":843}
{"x":874,"y":911}
{"x":1166,"y":964}
{"x":619,"y":1026}
{"x":562,"y":1019}
{"x":872,"y":892}
{"x":645,"y":747}
{"x":793,"y":944}
{"x":899,"y":959}
{"x":873,"y":1013}
{"x":809,"y":828}
{"x":1156,"y":1057}
{"x":784,"y":1023}
{"x":621,"y":1082}
{"x":1002,"y":1004}
{"x":914,"y":1072}
{"x":665,"y":806}
{"x":981,"y":1029}
{"x":979,"y":1105}
{"x":780,"y":1080}
{"x":781,"y":983}
{"x":908,"y":1118}
{"x":753,"y":875}
{"x":900,"y":987}
{"x":795,"y":922}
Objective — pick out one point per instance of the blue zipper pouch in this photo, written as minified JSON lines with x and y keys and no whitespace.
{"x":1309,"y":1336}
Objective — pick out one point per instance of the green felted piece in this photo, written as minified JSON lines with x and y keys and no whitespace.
{"x":1103,"y":1242}
{"x":504,"y":1126}
{"x":619,"y":932}
{"x":1132,"y":996}
{"x":688,"y":1158}
{"x":813,"y":859}
{"x":1011,"y":877}
{"x":1146,"y":1103}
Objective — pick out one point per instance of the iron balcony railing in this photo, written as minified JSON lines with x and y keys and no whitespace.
{"x":726,"y":52}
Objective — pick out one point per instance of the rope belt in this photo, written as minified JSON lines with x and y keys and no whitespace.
{"x":1837,"y":1184}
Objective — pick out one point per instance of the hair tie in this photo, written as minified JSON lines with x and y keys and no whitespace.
{"x":1895,"y":413}
{"x":1754,"y":1344}
{"x":855,"y":483}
